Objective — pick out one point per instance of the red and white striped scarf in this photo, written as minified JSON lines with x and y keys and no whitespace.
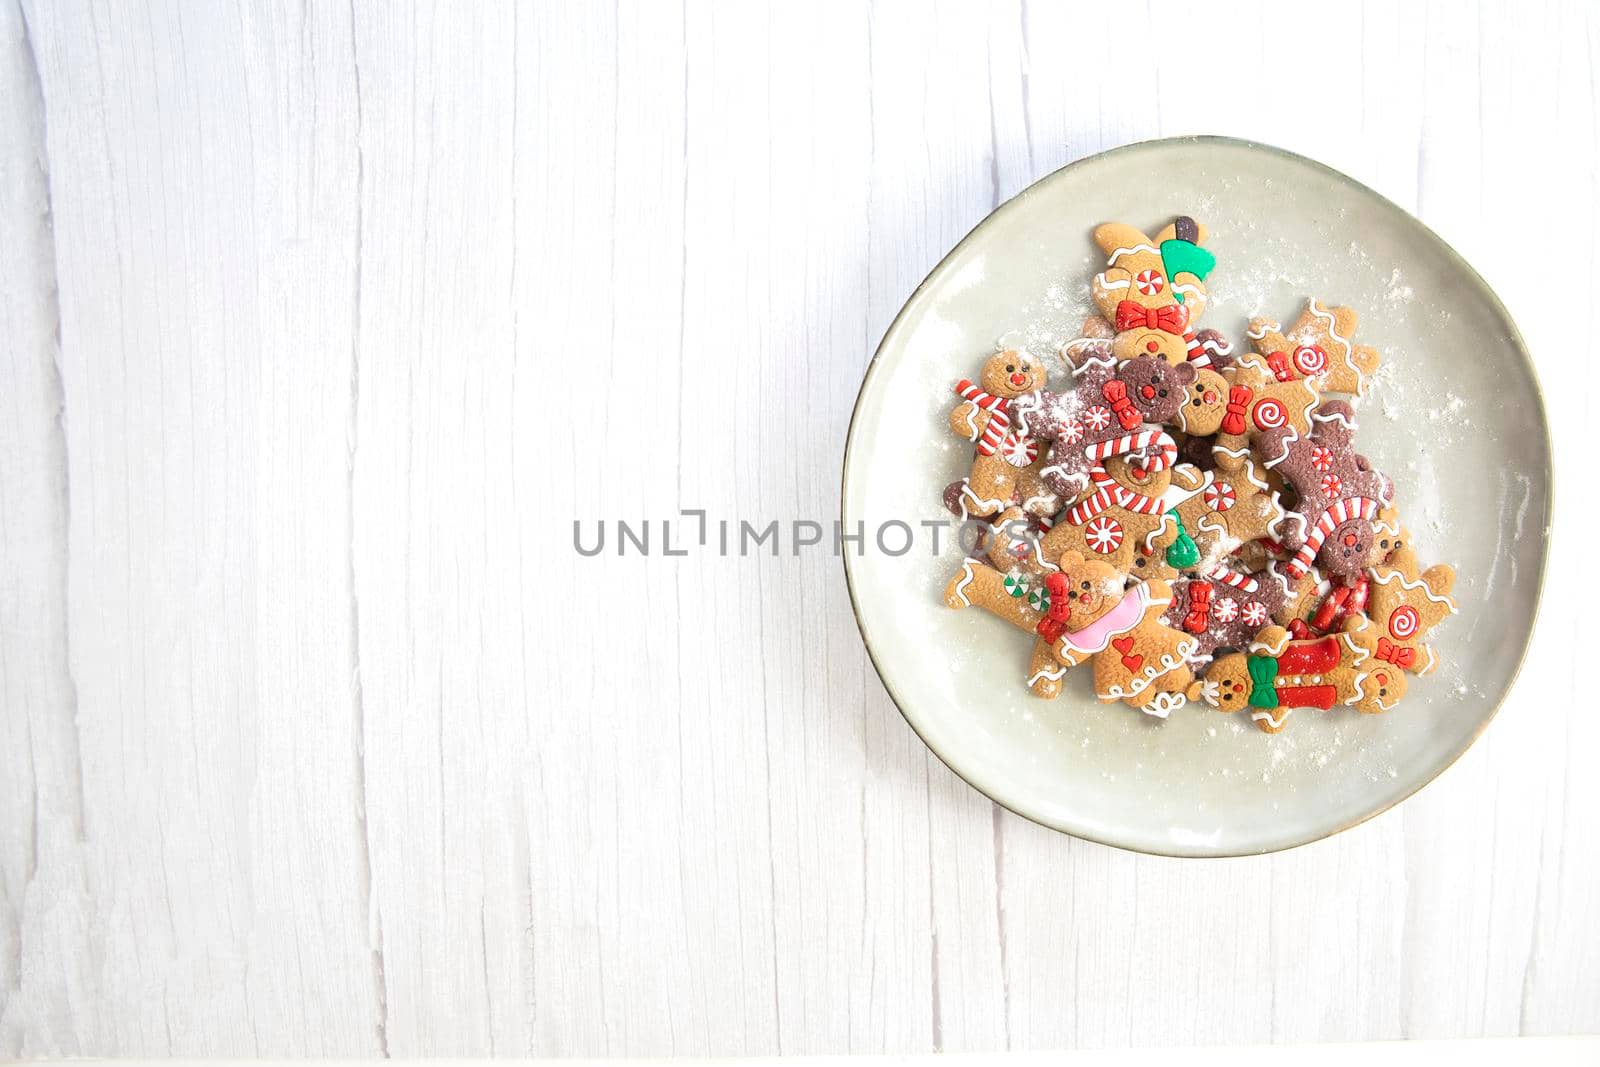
{"x":999,"y":409}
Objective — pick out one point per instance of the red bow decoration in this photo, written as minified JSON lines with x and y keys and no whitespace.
{"x":1170,"y":319}
{"x":1279,"y":362}
{"x":1389,"y":652}
{"x":1199,"y":607}
{"x":1116,"y":394}
{"x":1054,"y":623}
{"x":1238,"y":407}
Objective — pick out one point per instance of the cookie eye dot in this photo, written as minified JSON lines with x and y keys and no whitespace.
{"x":1161,"y":392}
{"x":1083,"y":585}
{"x":1010,"y":369}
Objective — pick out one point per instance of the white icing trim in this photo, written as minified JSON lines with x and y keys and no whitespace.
{"x":1260,"y":647}
{"x":1100,"y":280}
{"x":1047,"y":675}
{"x":1166,"y":665}
{"x":1390,"y":575}
{"x":1261,"y":331}
{"x":1337,"y":416}
{"x":1192,"y":290}
{"x":1319,"y":312}
{"x":1277,"y":721}
{"x":1250,"y":475}
{"x":967,"y":577}
{"x":1165,"y":704}
{"x":1119,"y":253}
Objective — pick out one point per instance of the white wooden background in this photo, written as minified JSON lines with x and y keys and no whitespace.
{"x":322,"y":322}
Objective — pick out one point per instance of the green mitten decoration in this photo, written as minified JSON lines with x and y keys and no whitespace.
{"x":1179,"y":257}
{"x":1182,"y":553}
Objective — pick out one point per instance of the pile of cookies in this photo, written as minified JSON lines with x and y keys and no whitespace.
{"x":1195,"y":524}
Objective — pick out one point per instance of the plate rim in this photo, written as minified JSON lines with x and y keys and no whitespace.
{"x":1460,"y":261}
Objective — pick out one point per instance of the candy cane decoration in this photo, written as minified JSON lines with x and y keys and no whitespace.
{"x":1356,"y":507}
{"x":1227,"y":575}
{"x":1122,"y":495}
{"x":999,"y":409}
{"x":1165,"y":456}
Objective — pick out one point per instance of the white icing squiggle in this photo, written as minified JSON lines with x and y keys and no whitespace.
{"x":1119,"y":253}
{"x":966,"y":580}
{"x":1386,"y":576}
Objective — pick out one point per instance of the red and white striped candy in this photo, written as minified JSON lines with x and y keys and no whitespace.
{"x":1149,"y":282}
{"x":1019,"y":451}
{"x":1225,"y":610}
{"x":1255,"y":613}
{"x":1104,"y":535}
{"x":1219,"y":496}
{"x":1165,"y":456}
{"x":1097,"y":417}
{"x":1229,"y":576}
{"x":1322,"y":458}
{"x":1331,"y":485}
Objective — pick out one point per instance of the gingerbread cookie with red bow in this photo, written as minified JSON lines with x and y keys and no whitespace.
{"x":1003,"y":449}
{"x":1317,"y":346}
{"x":1338,"y":494}
{"x":1404,"y":605}
{"x":1279,"y":674}
{"x":1093,"y":617}
{"x":1152,"y":291}
{"x":1113,"y":409}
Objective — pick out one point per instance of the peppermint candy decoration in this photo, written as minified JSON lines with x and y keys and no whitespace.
{"x":1097,"y":417}
{"x":1331,"y":484}
{"x":1149,"y":282}
{"x":1019,"y":451}
{"x":1104,"y":535}
{"x":1016,"y":585}
{"x":1322,"y":458}
{"x":1072,"y":432}
{"x":1039,"y":598}
{"x":1219,"y":496}
{"x":1310,"y":360}
{"x":1255,"y":613}
{"x":1269,"y":414}
{"x":1404,"y":623}
{"x":1225,"y":610}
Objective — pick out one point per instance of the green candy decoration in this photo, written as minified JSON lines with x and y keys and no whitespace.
{"x":1263,"y":673}
{"x":1179,"y":257}
{"x":1182,"y":553}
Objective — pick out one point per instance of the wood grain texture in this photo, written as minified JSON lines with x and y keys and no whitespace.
{"x":323,"y":323}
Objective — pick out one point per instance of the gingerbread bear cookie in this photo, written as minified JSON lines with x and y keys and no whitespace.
{"x":1317,"y":346}
{"x":1003,"y":450}
{"x":1113,"y":409}
{"x":1280,"y":674}
{"x":1152,"y":291}
{"x":1338,"y":493}
{"x":1137,"y":658}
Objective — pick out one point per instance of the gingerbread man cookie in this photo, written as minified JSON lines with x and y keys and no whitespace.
{"x":1224,"y":608}
{"x":1404,"y":605}
{"x":1280,"y":674}
{"x":1003,"y":450}
{"x":1338,"y":493}
{"x":1120,"y":515}
{"x":1317,"y":346}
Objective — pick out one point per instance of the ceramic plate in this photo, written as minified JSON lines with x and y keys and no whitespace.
{"x":1455,"y":417}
